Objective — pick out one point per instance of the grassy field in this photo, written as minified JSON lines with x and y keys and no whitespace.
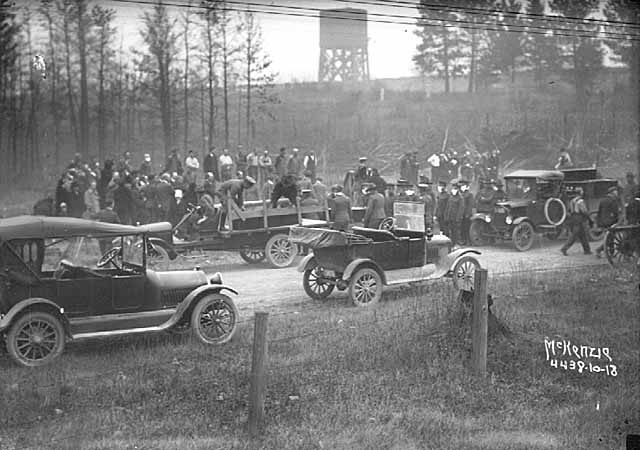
{"x":393,"y":377}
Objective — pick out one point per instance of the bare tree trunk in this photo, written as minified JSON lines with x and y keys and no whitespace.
{"x":101,"y":100}
{"x":202,"y":121}
{"x":249,"y":49}
{"x":186,"y":77}
{"x":84,"y":95}
{"x":72,"y":111}
{"x":53,"y":103}
{"x":210,"y":79}
{"x":225,"y":70}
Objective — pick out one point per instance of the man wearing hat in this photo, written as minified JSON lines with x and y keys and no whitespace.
{"x":362,"y":172}
{"x":486,"y":197}
{"x":500,"y":195}
{"x":632,"y":212}
{"x":340,"y":206}
{"x":234,"y":189}
{"x":608,"y":213}
{"x":454,"y":213}
{"x":469,"y":204}
{"x":429,"y":200}
{"x":375,"y":207}
{"x":294,"y":164}
{"x":578,"y":220}
{"x":441,"y":207}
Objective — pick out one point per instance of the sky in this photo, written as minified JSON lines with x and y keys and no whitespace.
{"x":293,"y":42}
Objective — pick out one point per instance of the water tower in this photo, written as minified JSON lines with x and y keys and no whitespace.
{"x":343,"y":45}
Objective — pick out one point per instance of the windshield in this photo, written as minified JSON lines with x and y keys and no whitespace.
{"x":86,"y":251}
{"x":521,"y":188}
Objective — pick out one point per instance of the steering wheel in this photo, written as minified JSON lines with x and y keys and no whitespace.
{"x":109,"y":257}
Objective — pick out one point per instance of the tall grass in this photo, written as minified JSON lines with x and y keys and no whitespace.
{"x":393,"y":376}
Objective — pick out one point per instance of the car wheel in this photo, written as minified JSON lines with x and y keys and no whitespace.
{"x":522,"y":236}
{"x":35,"y":339}
{"x":252,"y":256}
{"x":464,"y":273}
{"x":280,"y":251}
{"x":595,"y":233}
{"x":214,"y":319}
{"x":365,"y":287}
{"x":477,"y":231}
{"x":157,"y":258}
{"x":316,"y":287}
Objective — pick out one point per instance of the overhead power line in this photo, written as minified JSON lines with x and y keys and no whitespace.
{"x":483,"y":11}
{"x":522,"y":27}
{"x":313,"y":13}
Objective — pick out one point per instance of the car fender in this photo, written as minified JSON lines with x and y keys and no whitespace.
{"x":190,"y":299}
{"x":357,"y":263}
{"x":519,"y":220}
{"x":446,"y":265}
{"x":164,"y":244}
{"x":16,"y":309}
{"x":307,"y":262}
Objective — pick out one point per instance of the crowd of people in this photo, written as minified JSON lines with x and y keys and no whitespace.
{"x":119,"y":191}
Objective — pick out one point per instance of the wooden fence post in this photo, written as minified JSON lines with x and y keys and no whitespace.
{"x":258,"y":374}
{"x":479,"y":323}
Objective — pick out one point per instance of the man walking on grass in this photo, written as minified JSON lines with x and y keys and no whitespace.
{"x":578,"y":220}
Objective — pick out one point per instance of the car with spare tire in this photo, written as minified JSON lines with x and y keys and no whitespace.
{"x":534,"y":206}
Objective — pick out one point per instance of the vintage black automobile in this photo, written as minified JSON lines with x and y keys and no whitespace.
{"x":533,"y":207}
{"x":366,"y":259}
{"x":63,"y":279}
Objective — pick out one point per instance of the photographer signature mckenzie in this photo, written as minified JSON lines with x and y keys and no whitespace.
{"x":562,"y":354}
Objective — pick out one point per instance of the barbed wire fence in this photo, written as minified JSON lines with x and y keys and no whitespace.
{"x":293,"y":346}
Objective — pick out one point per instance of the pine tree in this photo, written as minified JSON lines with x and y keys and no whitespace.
{"x":443,"y":45}
{"x":541,"y":51}
{"x":103,"y":20}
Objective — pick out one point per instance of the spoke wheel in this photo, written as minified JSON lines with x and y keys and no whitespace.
{"x":315,"y":285}
{"x":280,"y":252}
{"x":476,"y":233}
{"x":214,"y":319}
{"x":523,"y":236}
{"x":157,"y":258}
{"x":464,"y":273}
{"x":252,"y":256}
{"x":365,"y":287}
{"x":621,"y":251}
{"x":35,"y":339}
{"x":388,"y":223}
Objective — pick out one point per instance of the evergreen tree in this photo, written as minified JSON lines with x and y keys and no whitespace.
{"x":541,"y":51}
{"x":443,"y":46}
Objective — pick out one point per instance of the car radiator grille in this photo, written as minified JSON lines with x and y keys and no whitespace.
{"x":174,"y":296}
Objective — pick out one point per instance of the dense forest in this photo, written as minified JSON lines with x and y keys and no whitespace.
{"x":202,"y":78}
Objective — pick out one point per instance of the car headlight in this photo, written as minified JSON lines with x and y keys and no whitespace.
{"x":508,"y":220}
{"x":487,"y":219}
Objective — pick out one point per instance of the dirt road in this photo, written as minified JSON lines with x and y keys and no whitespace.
{"x":260,"y":286}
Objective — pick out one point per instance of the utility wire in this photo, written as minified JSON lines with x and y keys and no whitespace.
{"x":482,"y":11}
{"x":524,"y":27}
{"x":446,"y":23}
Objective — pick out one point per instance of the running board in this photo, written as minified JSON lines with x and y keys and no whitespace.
{"x":412,"y":274}
{"x":112,"y":333}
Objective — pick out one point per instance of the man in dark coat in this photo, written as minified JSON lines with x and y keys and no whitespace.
{"x":441,"y":207}
{"x":485,"y":198}
{"x":454,"y":213}
{"x":429,"y":200}
{"x":286,"y":187}
{"x":629,"y":190}
{"x":376,"y":179}
{"x":374,"y":213}
{"x":75,"y":202}
{"x":469,"y":204}
{"x":173,"y":163}
{"x":608,"y":213}
{"x":210,"y":163}
{"x":124,"y":202}
{"x":340,"y":206}
{"x":280,"y":163}
{"x":633,"y":209}
{"x":362,"y":172}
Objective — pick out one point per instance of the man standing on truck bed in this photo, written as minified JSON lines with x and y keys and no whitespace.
{"x":375,"y":207}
